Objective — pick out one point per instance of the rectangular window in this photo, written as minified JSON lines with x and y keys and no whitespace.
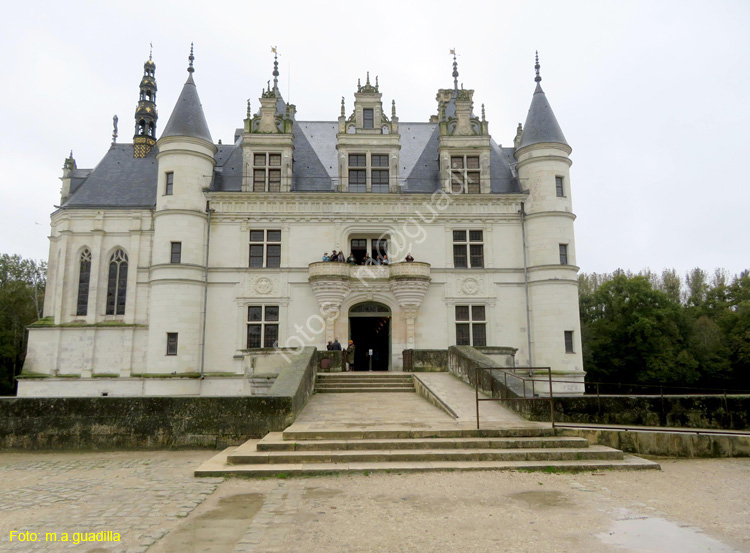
{"x":379,"y":160}
{"x":559,"y":187}
{"x":265,"y":249}
{"x":471,"y":325}
{"x":266,"y":172}
{"x":465,"y":175}
{"x":380,"y":180}
{"x":569,"y":341}
{"x":368,"y":120}
{"x":262,"y":326}
{"x":468,"y":249}
{"x":171,"y":343}
{"x":357,"y":180}
{"x":563,"y":254}
{"x":176,"y":252}
{"x":170,"y":184}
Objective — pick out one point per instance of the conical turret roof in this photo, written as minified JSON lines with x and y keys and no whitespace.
{"x":541,"y":123}
{"x":187,"y":118}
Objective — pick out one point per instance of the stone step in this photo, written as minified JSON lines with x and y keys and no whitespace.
{"x":363,"y":389}
{"x":413,"y":433}
{"x":274,"y":442}
{"x":218,"y":467}
{"x":365,"y":384}
{"x":425,"y":455}
{"x":358,"y":378}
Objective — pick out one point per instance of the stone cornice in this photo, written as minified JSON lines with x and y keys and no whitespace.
{"x":331,"y":206}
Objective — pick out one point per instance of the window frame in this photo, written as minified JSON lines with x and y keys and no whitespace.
{"x":169,"y":184}
{"x":469,"y":246}
{"x":267,"y":175}
{"x":368,"y":172}
{"x":365,"y":119}
{"x":175,"y":252}
{"x":564,"y":257}
{"x":268,"y":245}
{"x":568,"y":340}
{"x":84,"y":282}
{"x":475,"y":323}
{"x":172,"y":343}
{"x":267,"y":325}
{"x":559,"y":186}
{"x":117,"y":283}
{"x":466,"y":178}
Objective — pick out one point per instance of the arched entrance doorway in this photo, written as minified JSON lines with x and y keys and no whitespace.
{"x":370,"y":329}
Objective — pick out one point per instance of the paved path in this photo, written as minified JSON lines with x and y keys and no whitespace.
{"x":152,"y":500}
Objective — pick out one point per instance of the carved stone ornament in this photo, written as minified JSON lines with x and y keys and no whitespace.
{"x":470,"y":286}
{"x":263,"y":286}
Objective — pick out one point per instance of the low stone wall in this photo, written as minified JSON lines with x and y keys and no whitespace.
{"x":156,"y":422}
{"x":425,"y":360}
{"x":464,"y":360}
{"x":334,"y":357}
{"x":665,"y":444}
{"x":710,"y":412}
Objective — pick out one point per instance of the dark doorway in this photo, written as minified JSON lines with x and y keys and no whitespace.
{"x":370,"y":329}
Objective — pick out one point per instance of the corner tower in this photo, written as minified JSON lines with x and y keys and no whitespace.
{"x":178,"y":275}
{"x":145,"y":113}
{"x":544,"y":171}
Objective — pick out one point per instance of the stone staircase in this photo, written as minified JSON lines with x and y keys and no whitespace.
{"x":358,"y":382}
{"x":315,"y":452}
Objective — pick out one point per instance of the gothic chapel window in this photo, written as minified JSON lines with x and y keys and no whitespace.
{"x":117,"y":283}
{"x":84,"y":277}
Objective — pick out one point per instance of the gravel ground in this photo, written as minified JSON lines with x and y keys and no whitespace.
{"x":156,"y":505}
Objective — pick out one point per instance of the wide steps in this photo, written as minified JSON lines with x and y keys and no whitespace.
{"x":421,"y":443}
{"x":218,"y":467}
{"x":363,"y":382}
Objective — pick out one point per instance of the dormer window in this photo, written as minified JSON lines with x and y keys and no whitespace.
{"x":372,"y":177}
{"x":368,"y":118}
{"x":266,"y":172}
{"x":465,"y":174}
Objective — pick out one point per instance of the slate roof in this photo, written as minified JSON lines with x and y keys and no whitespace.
{"x":119,"y":181}
{"x":187,"y":118}
{"x":541,"y":123}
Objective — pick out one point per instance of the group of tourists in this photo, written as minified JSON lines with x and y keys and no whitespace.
{"x":352,"y":260}
{"x":347,"y":355}
{"x":366,"y":260}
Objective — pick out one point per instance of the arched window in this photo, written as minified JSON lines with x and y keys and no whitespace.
{"x":84,"y":277}
{"x":117,"y":283}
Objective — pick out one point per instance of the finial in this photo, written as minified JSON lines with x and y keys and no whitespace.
{"x":191,"y":57}
{"x":71,"y":154}
{"x":343,"y":109}
{"x":150,"y":50}
{"x":248,"y":109}
{"x":393,"y":109}
{"x":483,"y":112}
{"x":368,"y":79}
{"x":114,"y":131}
{"x":536,"y":67}
{"x":275,"y":68}
{"x":455,"y":69}
{"x":268,"y":83}
{"x":376,"y":82}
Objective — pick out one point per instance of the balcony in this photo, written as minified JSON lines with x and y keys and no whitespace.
{"x":327,"y":270}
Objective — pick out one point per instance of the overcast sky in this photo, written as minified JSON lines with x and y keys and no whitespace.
{"x":653,"y":97}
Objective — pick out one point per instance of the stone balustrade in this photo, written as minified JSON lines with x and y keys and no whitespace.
{"x":324,"y":270}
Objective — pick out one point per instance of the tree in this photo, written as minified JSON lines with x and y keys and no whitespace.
{"x":635,"y":334}
{"x":22,"y":283}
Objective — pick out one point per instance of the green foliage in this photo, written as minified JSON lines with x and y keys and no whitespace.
{"x":661,"y":330}
{"x":22,"y":284}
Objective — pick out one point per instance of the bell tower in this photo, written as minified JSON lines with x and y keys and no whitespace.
{"x":145,"y":113}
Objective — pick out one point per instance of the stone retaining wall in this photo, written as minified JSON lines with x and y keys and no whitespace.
{"x":156,"y":422}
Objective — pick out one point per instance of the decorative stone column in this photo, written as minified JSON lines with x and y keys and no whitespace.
{"x":409,"y":283}
{"x":330,"y":285}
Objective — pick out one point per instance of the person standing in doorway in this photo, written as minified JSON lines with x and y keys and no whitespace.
{"x":349,"y":354}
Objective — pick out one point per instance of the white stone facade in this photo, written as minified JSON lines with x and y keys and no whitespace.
{"x":204,"y":295}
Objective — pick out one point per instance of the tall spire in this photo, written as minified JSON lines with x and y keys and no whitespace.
{"x":275,"y":69}
{"x":541,"y":124}
{"x":455,"y":69}
{"x":146,"y":114}
{"x":187,"y":118}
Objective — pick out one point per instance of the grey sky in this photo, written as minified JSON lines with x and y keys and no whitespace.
{"x":652,"y":96}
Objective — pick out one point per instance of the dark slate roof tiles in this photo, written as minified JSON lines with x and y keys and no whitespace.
{"x":187,"y":118}
{"x":541,"y":123}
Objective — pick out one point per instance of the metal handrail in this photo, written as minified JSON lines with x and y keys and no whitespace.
{"x":723,"y":392}
{"x":510,"y":371}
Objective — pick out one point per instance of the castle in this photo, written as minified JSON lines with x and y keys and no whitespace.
{"x":177,"y":256}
